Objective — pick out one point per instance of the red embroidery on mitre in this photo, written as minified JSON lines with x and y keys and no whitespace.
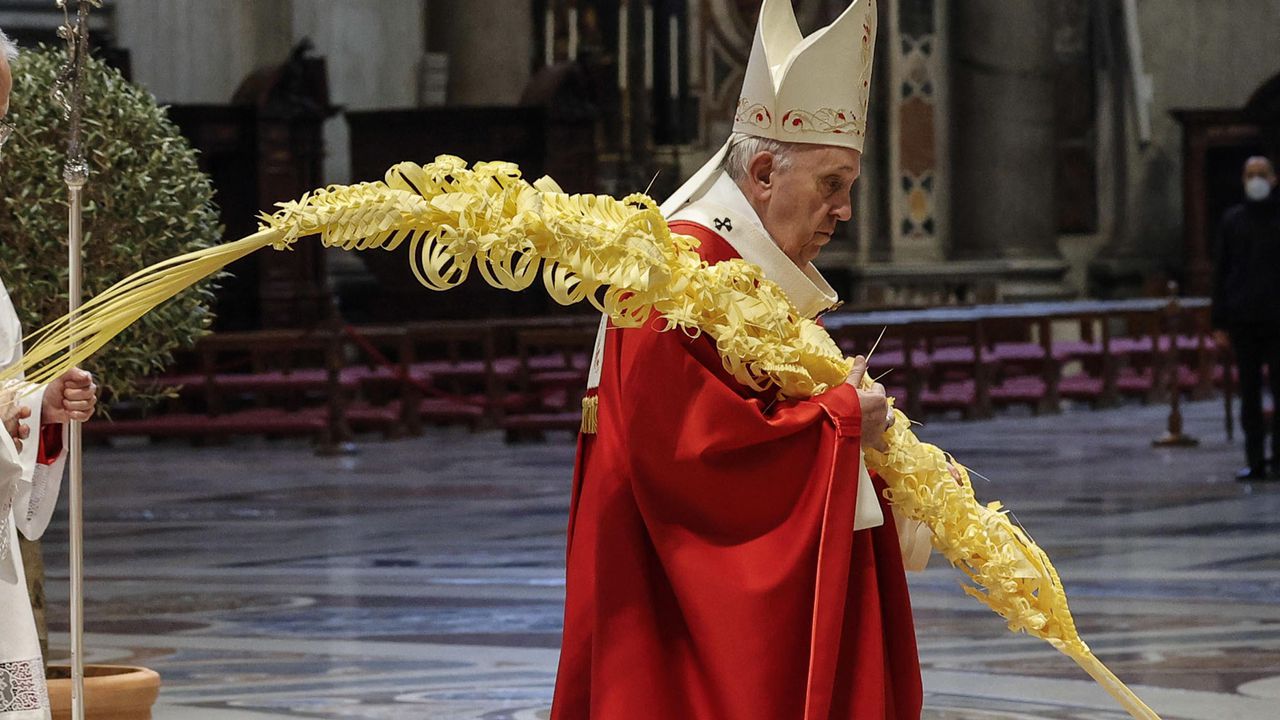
{"x":825,"y":120}
{"x":753,"y":114}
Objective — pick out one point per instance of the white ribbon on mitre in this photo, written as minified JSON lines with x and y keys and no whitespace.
{"x":813,"y":89}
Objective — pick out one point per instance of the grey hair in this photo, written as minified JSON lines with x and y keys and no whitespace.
{"x":8,"y":47}
{"x":1271,"y":167}
{"x":743,"y":147}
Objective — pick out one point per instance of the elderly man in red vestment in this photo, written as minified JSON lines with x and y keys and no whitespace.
{"x":729,"y":556}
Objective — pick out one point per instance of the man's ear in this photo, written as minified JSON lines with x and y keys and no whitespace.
{"x":760,"y":174}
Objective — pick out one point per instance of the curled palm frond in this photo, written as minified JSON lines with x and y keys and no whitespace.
{"x":619,"y":256}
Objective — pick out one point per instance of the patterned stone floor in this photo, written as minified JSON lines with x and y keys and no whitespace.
{"x":424,"y":578}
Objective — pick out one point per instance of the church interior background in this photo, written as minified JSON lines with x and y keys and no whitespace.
{"x":1084,"y":168}
{"x":1028,"y":151}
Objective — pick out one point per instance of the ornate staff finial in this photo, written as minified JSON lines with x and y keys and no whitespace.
{"x":69,"y":89}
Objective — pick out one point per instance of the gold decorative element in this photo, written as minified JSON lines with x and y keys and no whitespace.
{"x":827,"y":120}
{"x":590,"y":414}
{"x":756,"y":114}
{"x":620,"y":257}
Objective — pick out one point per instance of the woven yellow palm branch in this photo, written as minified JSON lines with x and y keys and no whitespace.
{"x":620,"y":257}
{"x":1007,"y":570}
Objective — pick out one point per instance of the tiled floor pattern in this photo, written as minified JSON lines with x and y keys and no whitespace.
{"x":424,"y":578}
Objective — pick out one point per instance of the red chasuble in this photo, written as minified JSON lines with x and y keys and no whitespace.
{"x":713,"y":569}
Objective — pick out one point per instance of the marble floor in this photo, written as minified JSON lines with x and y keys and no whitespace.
{"x":423,"y":578}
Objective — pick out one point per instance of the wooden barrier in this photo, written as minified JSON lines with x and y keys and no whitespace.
{"x":527,"y":375}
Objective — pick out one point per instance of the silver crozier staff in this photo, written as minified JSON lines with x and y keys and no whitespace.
{"x":70,"y":93}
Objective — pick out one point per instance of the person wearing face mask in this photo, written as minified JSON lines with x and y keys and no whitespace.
{"x":31,"y":464}
{"x":1246,"y":306}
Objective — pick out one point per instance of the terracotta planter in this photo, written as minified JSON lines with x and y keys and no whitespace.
{"x":111,"y":692}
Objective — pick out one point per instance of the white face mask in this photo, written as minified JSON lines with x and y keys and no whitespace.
{"x":1257,"y":189}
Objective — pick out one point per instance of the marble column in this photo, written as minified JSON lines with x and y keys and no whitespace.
{"x":195,"y":51}
{"x":1003,"y":142}
{"x":374,"y":54}
{"x":490,"y":48}
{"x":1003,"y":146}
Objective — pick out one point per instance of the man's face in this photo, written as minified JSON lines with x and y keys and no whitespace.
{"x":6,"y":84}
{"x":1258,"y":167}
{"x":801,"y":204}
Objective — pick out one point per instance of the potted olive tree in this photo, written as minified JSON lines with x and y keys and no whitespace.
{"x":146,"y":201}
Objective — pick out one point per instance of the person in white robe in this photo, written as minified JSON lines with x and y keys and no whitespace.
{"x":32,"y":456}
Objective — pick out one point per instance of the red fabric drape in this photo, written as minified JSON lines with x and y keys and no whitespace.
{"x":713,"y":569}
{"x":50,"y":443}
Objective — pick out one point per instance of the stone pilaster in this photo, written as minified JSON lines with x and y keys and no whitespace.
{"x":916,"y":44}
{"x":195,"y":51}
{"x":374,"y":54}
{"x":490,"y":46}
{"x":1003,"y":144}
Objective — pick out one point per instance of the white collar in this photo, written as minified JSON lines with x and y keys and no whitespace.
{"x":724,"y":209}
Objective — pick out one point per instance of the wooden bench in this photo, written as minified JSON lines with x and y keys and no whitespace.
{"x":976,"y":359}
{"x":278,"y":383}
{"x":551,"y":377}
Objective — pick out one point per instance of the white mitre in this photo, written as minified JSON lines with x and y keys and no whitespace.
{"x":811,"y":89}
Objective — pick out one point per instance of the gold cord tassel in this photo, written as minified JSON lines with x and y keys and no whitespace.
{"x":590,"y":414}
